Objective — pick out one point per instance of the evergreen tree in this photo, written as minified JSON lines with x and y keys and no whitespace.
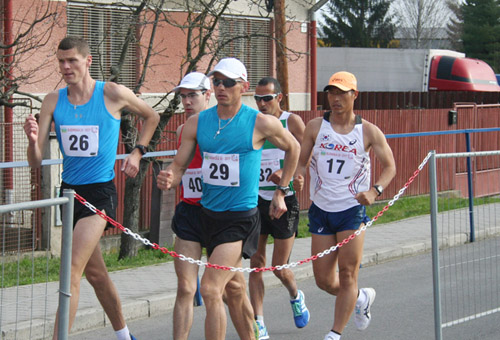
{"x":481,"y":37}
{"x":357,"y":23}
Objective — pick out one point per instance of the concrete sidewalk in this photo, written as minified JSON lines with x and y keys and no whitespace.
{"x":150,"y":291}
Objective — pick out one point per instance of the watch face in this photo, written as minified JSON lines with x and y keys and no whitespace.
{"x":286,"y":190}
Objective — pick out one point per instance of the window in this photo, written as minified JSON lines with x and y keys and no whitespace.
{"x":252,"y":45}
{"x":105,"y":29}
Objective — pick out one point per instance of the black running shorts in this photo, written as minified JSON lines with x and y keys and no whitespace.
{"x":231,"y":226}
{"x":186,"y":222}
{"x":101,"y":195}
{"x":284,"y":227}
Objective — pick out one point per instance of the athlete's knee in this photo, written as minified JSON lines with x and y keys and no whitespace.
{"x":324,"y":283}
{"x":347,"y":277}
{"x":186,"y":287}
{"x":97,"y":278}
{"x":257,"y":260}
{"x":234,"y":289}
{"x":210,"y":291}
{"x":284,"y":274}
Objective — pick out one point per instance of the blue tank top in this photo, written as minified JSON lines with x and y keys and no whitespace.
{"x":231,"y":165}
{"x":88,"y":138}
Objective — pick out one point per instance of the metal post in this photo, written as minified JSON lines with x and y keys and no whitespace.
{"x":65,"y":273}
{"x":435,"y":247}
{"x":472,"y":237}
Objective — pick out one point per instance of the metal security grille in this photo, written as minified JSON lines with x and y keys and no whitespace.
{"x":248,"y":40}
{"x":105,"y":29}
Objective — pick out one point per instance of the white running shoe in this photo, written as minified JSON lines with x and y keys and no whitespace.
{"x":362,"y":316}
{"x":263,"y":335}
{"x":329,"y":336}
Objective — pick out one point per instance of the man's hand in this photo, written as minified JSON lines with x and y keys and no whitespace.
{"x":131,"y":164}
{"x":276,"y":176}
{"x":31,"y":129}
{"x":298,"y":183}
{"x":277,"y":206}
{"x":366,"y":197}
{"x":164,"y":179}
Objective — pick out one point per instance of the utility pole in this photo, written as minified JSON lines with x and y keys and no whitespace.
{"x":281,"y":58}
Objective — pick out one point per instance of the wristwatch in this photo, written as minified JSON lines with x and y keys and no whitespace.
{"x":141,"y":148}
{"x":285,"y":190}
{"x":378,"y":189}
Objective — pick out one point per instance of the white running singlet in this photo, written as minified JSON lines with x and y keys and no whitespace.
{"x":340,"y":167}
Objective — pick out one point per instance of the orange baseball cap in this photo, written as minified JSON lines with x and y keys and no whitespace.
{"x":343,"y":80}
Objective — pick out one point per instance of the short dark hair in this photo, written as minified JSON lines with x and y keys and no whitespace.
{"x":270,"y":80}
{"x":80,"y":44}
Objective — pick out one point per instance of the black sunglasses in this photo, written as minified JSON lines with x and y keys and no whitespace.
{"x":266,"y":97}
{"x":228,"y":82}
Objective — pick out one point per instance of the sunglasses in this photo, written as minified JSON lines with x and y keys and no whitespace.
{"x":266,"y":97}
{"x":228,"y":82}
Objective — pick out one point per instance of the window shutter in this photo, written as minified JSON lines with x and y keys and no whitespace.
{"x":105,"y":29}
{"x":251,"y":46}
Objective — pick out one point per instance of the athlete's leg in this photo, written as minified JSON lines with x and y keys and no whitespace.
{"x":281,"y":255}
{"x":187,"y":274}
{"x":213,"y":284}
{"x":105,"y":290}
{"x":255,"y":281}
{"x":86,"y":236}
{"x":238,"y":303}
{"x":349,"y":260}
{"x":325,"y":268}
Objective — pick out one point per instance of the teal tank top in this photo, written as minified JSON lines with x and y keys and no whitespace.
{"x":231,"y":166}
{"x":88,"y":138}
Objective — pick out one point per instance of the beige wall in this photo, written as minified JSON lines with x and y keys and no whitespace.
{"x":165,"y":71}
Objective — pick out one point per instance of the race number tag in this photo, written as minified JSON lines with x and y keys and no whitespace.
{"x":80,"y":140}
{"x":191,"y":183}
{"x":335,"y":165}
{"x":267,"y":168}
{"x":221,"y":169}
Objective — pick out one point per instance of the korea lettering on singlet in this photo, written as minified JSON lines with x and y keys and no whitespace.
{"x":80,"y":140}
{"x":191,"y":183}
{"x":335,"y":165}
{"x":221,"y":169}
{"x":267,"y":168}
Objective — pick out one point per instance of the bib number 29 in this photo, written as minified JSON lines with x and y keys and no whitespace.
{"x":219,"y":171}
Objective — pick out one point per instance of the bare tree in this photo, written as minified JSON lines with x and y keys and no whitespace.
{"x":30,"y":33}
{"x":421,"y":21}
{"x":455,"y":27}
{"x":204,"y":46}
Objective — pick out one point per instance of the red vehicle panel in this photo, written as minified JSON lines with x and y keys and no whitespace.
{"x":461,"y":74}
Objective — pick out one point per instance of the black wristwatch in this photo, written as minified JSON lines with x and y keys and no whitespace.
{"x":141,"y":148}
{"x":285,"y":190}
{"x":378,"y":189}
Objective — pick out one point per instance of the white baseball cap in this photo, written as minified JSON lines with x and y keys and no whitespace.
{"x":231,"y":68}
{"x":194,"y":81}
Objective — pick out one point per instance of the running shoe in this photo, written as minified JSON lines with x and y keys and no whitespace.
{"x":329,"y":337}
{"x":300,"y":311}
{"x":362,"y":316}
{"x":132,"y":337}
{"x":255,"y":329}
{"x":262,"y":331}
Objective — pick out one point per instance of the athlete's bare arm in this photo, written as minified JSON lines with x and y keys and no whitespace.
{"x":118,"y":97}
{"x":375,"y":139}
{"x":310,"y":133}
{"x":172,"y":175}
{"x":296,"y":127}
{"x":38,"y":132}
{"x":270,"y":128}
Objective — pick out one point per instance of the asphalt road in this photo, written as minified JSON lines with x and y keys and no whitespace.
{"x":403,"y":310}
